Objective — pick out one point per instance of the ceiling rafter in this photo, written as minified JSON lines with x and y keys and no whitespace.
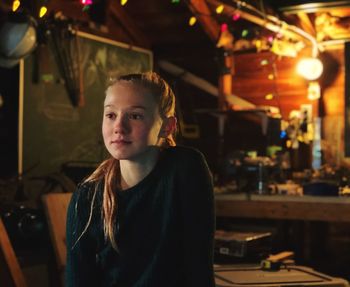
{"x":202,"y":12}
{"x":128,"y":24}
{"x":306,"y":23}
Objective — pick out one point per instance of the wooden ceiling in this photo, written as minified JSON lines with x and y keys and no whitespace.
{"x":162,"y":25}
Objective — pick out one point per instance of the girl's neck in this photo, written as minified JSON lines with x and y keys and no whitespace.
{"x":132,"y":172}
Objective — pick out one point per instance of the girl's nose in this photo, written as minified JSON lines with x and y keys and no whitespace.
{"x":121,"y":124}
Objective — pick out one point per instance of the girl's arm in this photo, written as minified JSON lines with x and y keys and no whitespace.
{"x":198,"y":221}
{"x":81,"y":257}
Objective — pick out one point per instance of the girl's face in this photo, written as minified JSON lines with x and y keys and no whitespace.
{"x":131,"y":121}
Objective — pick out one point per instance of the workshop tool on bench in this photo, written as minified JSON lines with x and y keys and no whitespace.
{"x":274,"y":262}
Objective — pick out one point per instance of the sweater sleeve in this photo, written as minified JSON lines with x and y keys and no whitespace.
{"x":81,"y":257}
{"x":197,"y":206}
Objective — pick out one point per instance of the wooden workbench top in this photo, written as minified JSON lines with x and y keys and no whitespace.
{"x":319,"y":208}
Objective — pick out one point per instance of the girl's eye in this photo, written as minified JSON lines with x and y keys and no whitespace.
{"x":135,"y":116}
{"x":110,"y":116}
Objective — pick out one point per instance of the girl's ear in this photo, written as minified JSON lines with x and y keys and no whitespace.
{"x":168,"y":127}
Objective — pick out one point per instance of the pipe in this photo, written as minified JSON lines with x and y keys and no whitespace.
{"x":270,"y":23}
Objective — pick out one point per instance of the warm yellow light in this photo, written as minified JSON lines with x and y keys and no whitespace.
{"x":42,"y":11}
{"x":15,"y":5}
{"x":313,"y":91}
{"x":310,"y":68}
{"x":219,"y":9}
{"x":258,"y":44}
{"x":289,"y":143}
{"x":192,"y":21}
{"x":264,"y":62}
{"x":271,"y":77}
{"x":123,"y":2}
{"x":269,"y":97}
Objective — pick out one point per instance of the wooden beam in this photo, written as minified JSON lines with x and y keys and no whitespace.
{"x":71,"y":9}
{"x":128,"y":24}
{"x":306,"y":24}
{"x":270,"y":23}
{"x":202,"y":12}
{"x":203,"y":84}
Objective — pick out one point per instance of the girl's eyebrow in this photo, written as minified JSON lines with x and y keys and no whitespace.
{"x":138,"y":107}
{"x":131,"y":107}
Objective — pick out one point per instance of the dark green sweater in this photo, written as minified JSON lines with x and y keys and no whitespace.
{"x":165,"y":229}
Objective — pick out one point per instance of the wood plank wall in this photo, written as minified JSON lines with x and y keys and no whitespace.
{"x":251,"y":82}
{"x":334,"y":110}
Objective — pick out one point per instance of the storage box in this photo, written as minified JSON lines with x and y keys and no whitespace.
{"x":234,"y":276}
{"x":242,"y":245}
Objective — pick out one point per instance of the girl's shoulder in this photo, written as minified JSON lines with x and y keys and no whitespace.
{"x":185,"y":157}
{"x":184,"y":152}
{"x":83,"y":198}
{"x":85,"y":191}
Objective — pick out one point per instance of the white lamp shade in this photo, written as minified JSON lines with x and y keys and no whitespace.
{"x":310,"y":68}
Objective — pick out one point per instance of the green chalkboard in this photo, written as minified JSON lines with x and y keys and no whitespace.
{"x":54,"y":131}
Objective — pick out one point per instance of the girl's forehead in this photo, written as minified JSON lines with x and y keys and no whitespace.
{"x":127,"y":92}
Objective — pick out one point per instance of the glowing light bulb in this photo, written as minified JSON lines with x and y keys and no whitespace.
{"x":236,"y":16}
{"x":314,"y":91}
{"x":42,"y":11}
{"x":310,"y":68}
{"x":224,"y":27}
{"x":219,"y":9}
{"x":123,"y":2}
{"x":192,"y":21}
{"x":15,"y":5}
{"x":264,"y":62}
{"x":86,"y":2}
{"x":269,"y":97}
{"x":270,"y":77}
{"x":245,"y":33}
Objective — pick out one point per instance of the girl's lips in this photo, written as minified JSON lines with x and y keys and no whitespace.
{"x":120,"y":142}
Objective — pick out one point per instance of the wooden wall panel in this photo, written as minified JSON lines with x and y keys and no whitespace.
{"x":251,"y":81}
{"x":333,"y":97}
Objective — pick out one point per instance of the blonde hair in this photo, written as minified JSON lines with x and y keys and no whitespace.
{"x":109,"y":170}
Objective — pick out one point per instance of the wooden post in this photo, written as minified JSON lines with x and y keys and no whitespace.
{"x":225,"y":82}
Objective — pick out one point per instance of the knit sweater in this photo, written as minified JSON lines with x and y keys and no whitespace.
{"x":164,"y":229}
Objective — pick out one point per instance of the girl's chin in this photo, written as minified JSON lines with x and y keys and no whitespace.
{"x":133,"y":154}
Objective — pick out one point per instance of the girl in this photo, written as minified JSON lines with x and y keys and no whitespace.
{"x":144,"y":217}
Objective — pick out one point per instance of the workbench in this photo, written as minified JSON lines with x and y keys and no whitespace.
{"x":313,"y":208}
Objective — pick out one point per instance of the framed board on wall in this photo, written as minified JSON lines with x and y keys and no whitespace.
{"x":52,"y":131}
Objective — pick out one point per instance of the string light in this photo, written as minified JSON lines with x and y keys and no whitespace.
{"x":314,"y":91}
{"x":175,"y":1}
{"x":264,"y":62}
{"x":283,"y":134}
{"x":224,"y":27}
{"x":123,"y":2}
{"x":192,"y":21}
{"x":236,"y":16}
{"x":15,"y":5}
{"x":86,"y":2}
{"x":42,"y":11}
{"x":245,"y":33}
{"x":269,"y":97}
{"x":219,"y":9}
{"x":270,"y":77}
{"x":258,"y":44}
